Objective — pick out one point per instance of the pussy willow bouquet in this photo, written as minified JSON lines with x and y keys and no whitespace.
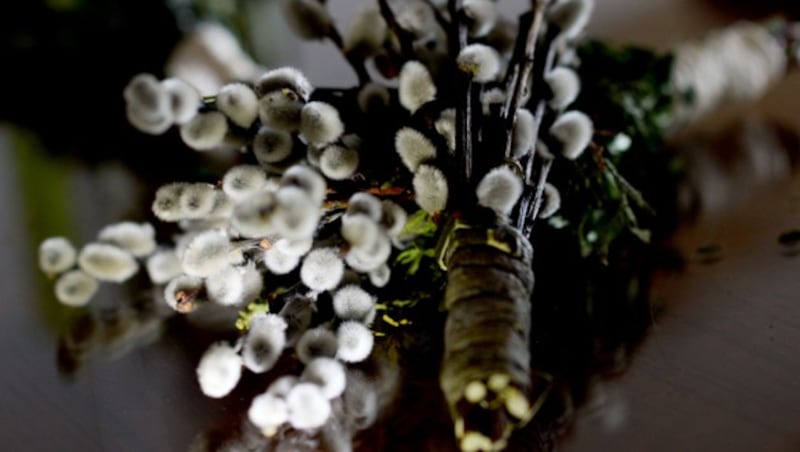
{"x":353,"y":208}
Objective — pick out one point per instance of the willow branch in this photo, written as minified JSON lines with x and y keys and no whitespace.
{"x":405,"y":37}
{"x":521,"y":68}
{"x":464,"y":120}
{"x":440,"y":18}
{"x":356,"y":63}
{"x":536,"y":204}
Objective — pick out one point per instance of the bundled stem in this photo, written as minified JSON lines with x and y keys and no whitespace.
{"x":486,"y":367}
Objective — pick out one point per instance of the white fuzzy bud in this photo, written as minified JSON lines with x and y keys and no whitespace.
{"x":571,"y":16}
{"x":413,"y":147}
{"x":367,"y":31}
{"x":196,"y":200}
{"x":219,"y":370}
{"x":551,"y":201}
{"x":145,"y":93}
{"x":373,"y":97}
{"x":254,"y":216}
{"x":298,"y":247}
{"x":297,"y":312}
{"x":503,"y":35}
{"x":281,"y":110}
{"x":107,"y":262}
{"x":243,"y":181}
{"x":239,"y":103}
{"x":361,"y":399}
{"x":328,"y":374}
{"x":225,"y":286}
{"x":147,"y":105}
{"x":352,"y":141}
{"x":446,"y":126}
{"x":182,"y":242}
{"x":138,"y":239}
{"x":394,"y":217}
{"x":322,"y":269}
{"x":181,"y":292}
{"x":272,"y":145}
{"x":564,"y":86}
{"x":222,"y":209}
{"x":309,"y":19}
{"x":480,"y":61}
{"x":313,"y":155}
{"x":162,"y":266}
{"x":359,"y":229}
{"x":150,"y":124}
{"x":267,"y":412}
{"x":430,"y":188}
{"x":482,"y":14}
{"x":416,"y":17}
{"x":351,"y":302}
{"x":279,"y":262}
{"x":296,"y":215}
{"x":201,"y":224}
{"x":264,"y":343}
{"x":205,"y":131}
{"x":490,"y":99}
{"x":543,"y":151}
{"x":56,"y":255}
{"x":574,"y":131}
{"x":380,"y":276}
{"x":184,"y":99}
{"x":206,"y":253}
{"x":338,"y":162}
{"x":365,"y":203}
{"x":355,"y":342}
{"x":308,"y":406}
{"x":284,"y":78}
{"x":523,"y":138}
{"x":320,"y":123}
{"x":281,"y":386}
{"x":307,"y":179}
{"x":253,"y":282}
{"x":416,"y":86}
{"x":370,"y":256}
{"x":75,"y":288}
{"x":499,"y":190}
{"x":315,"y":343}
{"x":166,"y":205}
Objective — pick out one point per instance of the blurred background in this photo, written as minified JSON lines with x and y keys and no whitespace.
{"x":716,"y":371}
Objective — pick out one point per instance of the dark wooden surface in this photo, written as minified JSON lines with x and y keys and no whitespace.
{"x":719,"y":368}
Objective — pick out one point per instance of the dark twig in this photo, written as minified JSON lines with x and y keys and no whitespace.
{"x":356,"y":63}
{"x":464,"y":125}
{"x":538,"y":115}
{"x":536,"y":204}
{"x":405,"y":37}
{"x":521,"y":67}
{"x":440,"y":18}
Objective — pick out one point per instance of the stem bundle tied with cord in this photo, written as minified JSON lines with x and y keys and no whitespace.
{"x":351,"y":208}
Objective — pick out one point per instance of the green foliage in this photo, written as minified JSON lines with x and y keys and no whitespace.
{"x":421,"y":229}
{"x":255,"y":307}
{"x":413,"y":256}
{"x":419,"y":224}
{"x":629,"y":90}
{"x":606,"y":191}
